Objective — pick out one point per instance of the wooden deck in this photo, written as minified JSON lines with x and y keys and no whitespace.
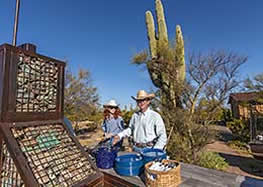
{"x":194,"y":176}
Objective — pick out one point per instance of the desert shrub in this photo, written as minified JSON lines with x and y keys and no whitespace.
{"x":240,"y":130}
{"x":212,"y":160}
{"x":126,"y":115}
{"x":239,"y":146}
{"x":188,"y":137}
{"x":97,"y":117}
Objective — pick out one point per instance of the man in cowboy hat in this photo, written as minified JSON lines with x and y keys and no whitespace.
{"x":146,"y":126}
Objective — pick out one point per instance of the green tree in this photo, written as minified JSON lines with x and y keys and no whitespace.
{"x":256,"y":85}
{"x":210,"y":78}
{"x":127,"y":114}
{"x":80,"y":96}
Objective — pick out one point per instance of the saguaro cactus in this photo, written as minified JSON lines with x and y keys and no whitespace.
{"x":162,"y":55}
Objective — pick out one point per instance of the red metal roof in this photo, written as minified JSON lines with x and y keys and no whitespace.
{"x":248,"y":96}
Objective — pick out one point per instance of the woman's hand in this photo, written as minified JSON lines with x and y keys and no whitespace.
{"x":108,"y":135}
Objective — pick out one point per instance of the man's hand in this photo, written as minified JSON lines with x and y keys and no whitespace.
{"x":116,"y":139}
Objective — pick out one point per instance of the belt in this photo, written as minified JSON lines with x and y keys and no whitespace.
{"x":143,"y":145}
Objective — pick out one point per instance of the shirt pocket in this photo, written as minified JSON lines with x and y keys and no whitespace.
{"x":150,"y":126}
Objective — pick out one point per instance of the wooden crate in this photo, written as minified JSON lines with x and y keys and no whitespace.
{"x":36,"y":146}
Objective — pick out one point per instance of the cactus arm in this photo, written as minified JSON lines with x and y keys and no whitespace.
{"x":151,"y":34}
{"x":180,"y":54}
{"x":162,"y":29}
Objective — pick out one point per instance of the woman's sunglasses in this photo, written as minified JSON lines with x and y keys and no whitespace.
{"x":111,"y":107}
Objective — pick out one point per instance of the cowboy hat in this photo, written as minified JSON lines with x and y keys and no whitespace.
{"x":141,"y":95}
{"x":111,"y":103}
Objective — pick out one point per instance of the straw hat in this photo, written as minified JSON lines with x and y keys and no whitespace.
{"x":141,"y":95}
{"x":111,"y":103}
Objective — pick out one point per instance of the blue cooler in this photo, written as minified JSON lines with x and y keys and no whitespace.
{"x":129,"y":165}
{"x":152,"y":154}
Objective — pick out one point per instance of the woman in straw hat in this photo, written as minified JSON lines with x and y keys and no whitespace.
{"x":113,"y":122}
{"x":146,"y":126}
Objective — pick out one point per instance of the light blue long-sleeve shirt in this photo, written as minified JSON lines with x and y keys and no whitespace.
{"x":145,"y":127}
{"x":113,"y":125}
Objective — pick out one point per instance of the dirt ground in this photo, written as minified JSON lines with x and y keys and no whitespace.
{"x":239,"y":163}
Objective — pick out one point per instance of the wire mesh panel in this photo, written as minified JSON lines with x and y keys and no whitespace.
{"x":37,"y":83}
{"x":9,"y":174}
{"x":53,"y":156}
{"x":31,"y":84}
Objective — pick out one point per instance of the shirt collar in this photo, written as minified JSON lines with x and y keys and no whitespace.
{"x":110,"y":118}
{"x":144,"y":113}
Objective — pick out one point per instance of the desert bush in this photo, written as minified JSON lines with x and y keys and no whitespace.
{"x":212,"y":160}
{"x":188,"y":137}
{"x":239,"y":146}
{"x":127,"y":114}
{"x":240,"y":130}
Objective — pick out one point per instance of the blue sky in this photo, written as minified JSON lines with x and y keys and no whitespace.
{"x":103,"y":35}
